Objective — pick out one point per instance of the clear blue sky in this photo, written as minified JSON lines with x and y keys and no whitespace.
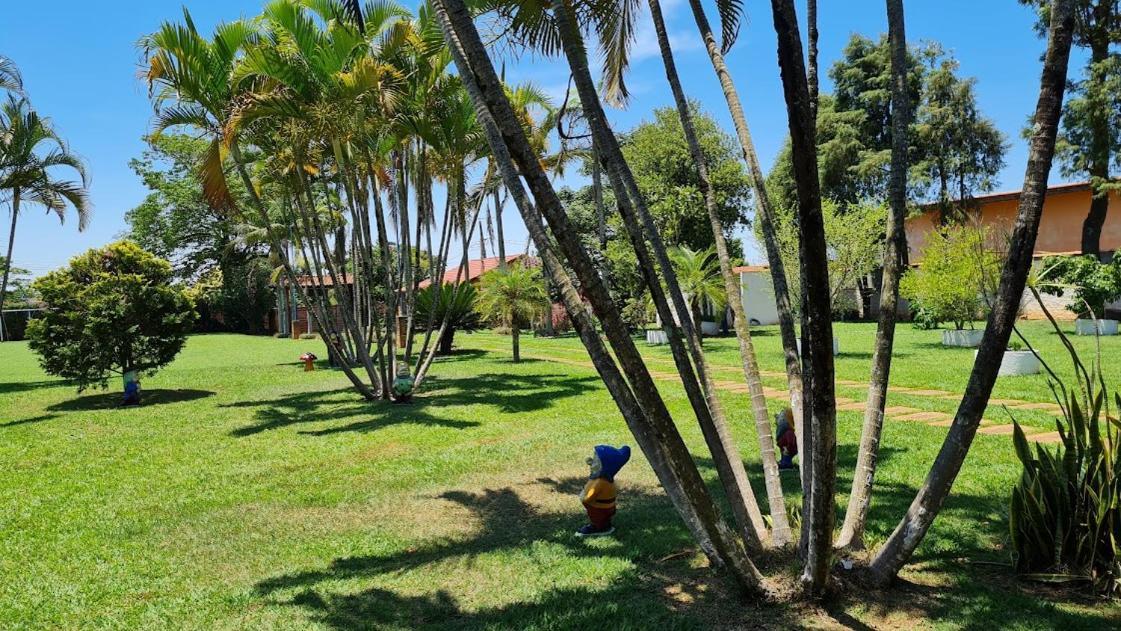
{"x":80,"y":63}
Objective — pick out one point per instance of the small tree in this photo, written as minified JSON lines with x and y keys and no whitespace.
{"x":513,"y":297}
{"x":953,"y":277}
{"x":698,"y":273}
{"x":1092,"y":284}
{"x":436,"y":301}
{"x":111,"y":311}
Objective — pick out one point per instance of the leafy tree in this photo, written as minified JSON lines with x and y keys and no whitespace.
{"x":955,"y":151}
{"x":855,"y":248}
{"x":177,"y":223}
{"x":1091,"y":284}
{"x":19,"y":286}
{"x":438,"y":303}
{"x":952,"y":279}
{"x":111,"y":311}
{"x":513,"y":296}
{"x":1090,"y":143}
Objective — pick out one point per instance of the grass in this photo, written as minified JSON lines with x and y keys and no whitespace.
{"x":246,"y":493}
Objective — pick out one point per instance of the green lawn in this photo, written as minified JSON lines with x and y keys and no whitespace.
{"x":246,"y":493}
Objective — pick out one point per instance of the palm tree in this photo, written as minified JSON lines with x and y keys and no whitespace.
{"x":10,"y":79}
{"x":629,"y":381}
{"x":780,"y":529}
{"x":699,"y":275}
{"x":513,"y":296}
{"x":817,"y":312}
{"x":909,"y":533}
{"x":852,"y":532}
{"x":30,"y":151}
{"x":765,"y":215}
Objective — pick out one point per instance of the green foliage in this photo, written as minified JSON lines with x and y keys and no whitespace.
{"x":854,"y":236}
{"x":110,"y":311}
{"x":1065,"y":513}
{"x":435,"y":302}
{"x":698,"y":274}
{"x":953,"y":277}
{"x":513,"y":296}
{"x":18,"y":293}
{"x":955,"y":150}
{"x":1091,"y":283}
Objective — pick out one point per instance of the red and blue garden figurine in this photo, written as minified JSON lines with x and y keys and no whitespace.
{"x":132,"y":388}
{"x":599,"y":493}
{"x":787,"y":439}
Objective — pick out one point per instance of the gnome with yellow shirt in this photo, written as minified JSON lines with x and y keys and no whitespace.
{"x":599,"y":493}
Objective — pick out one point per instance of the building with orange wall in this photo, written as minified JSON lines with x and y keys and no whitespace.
{"x":1060,"y":227}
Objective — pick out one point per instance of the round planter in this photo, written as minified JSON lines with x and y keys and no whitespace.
{"x":836,"y":346}
{"x":709,"y":328}
{"x":656,"y":337}
{"x":1017,"y":363}
{"x":964,"y":338}
{"x":1086,"y":326}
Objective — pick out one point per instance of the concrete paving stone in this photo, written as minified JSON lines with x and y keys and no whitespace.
{"x":895,"y":410}
{"x":923,"y":416}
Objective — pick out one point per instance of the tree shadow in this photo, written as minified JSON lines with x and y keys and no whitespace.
{"x":13,"y":387}
{"x":27,"y":421}
{"x":510,"y":393}
{"x":110,"y":400}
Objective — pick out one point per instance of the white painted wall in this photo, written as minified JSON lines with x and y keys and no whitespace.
{"x":758,"y":297}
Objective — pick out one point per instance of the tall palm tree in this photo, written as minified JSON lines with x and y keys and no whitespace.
{"x":852,"y":532}
{"x":30,"y":152}
{"x":765,"y":215}
{"x":698,"y":271}
{"x":513,"y":295}
{"x":780,"y":529}
{"x":817,"y":312}
{"x":629,"y":381}
{"x":909,"y":533}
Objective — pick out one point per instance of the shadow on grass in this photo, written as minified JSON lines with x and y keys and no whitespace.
{"x":109,"y":400}
{"x":661,"y":587}
{"x":511,"y":393}
{"x":28,"y":421}
{"x":13,"y":387}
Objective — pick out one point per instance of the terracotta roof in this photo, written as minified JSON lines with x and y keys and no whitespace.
{"x":750,"y":268}
{"x":475,"y":269}
{"x":1003,"y":196}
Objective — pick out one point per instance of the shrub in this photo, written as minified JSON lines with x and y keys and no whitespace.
{"x":110,"y":311}
{"x":1065,"y":513}
{"x":309,"y":336}
{"x":1092,"y":284}
{"x":436,"y":301}
{"x":950,"y":284}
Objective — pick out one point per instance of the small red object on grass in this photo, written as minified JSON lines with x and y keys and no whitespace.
{"x":309,"y":361}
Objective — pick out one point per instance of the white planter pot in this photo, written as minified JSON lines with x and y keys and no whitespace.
{"x":1085,"y":326}
{"x":965,"y":338}
{"x":656,"y":336}
{"x":836,"y":346}
{"x":709,"y":328}
{"x":1017,"y":363}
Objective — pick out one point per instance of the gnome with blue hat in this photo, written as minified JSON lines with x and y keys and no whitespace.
{"x":599,"y":493}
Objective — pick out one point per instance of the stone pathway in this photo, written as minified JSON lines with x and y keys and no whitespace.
{"x":891,"y":413}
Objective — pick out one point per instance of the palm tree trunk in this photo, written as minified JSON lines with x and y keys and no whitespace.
{"x":1099,"y":157}
{"x":641,"y":406}
{"x":514,"y":333}
{"x":597,"y":193}
{"x":780,"y":529}
{"x":500,"y":242}
{"x":852,"y":532}
{"x":765,"y":216}
{"x":899,"y":547}
{"x":8,"y":261}
{"x":695,"y":377}
{"x":811,"y":54}
{"x":817,"y":312}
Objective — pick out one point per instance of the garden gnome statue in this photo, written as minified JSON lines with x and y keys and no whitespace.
{"x":309,"y":361}
{"x":132,"y":388}
{"x":598,"y":495}
{"x":403,"y":387}
{"x":787,"y":439}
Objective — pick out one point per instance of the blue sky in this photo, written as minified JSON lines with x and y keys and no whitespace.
{"x":80,"y":63}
